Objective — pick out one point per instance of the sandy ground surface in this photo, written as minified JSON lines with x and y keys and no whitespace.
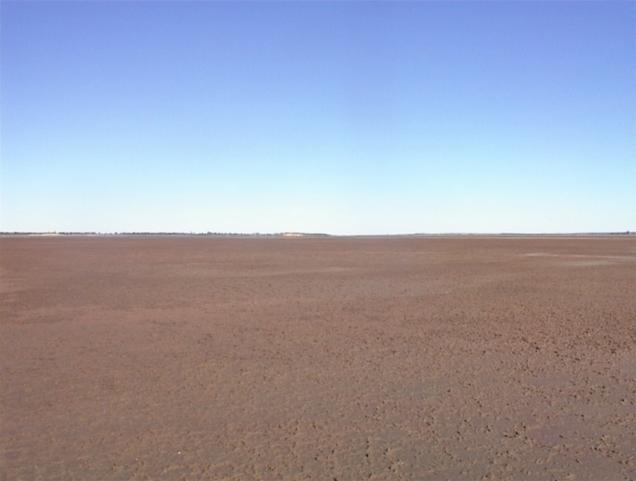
{"x":326,"y":359}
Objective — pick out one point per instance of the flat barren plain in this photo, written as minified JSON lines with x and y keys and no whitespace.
{"x":336,"y":359}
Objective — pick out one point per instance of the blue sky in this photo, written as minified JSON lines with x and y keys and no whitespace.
{"x":347,"y":118}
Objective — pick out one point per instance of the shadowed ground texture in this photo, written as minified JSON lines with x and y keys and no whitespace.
{"x":186,"y":358}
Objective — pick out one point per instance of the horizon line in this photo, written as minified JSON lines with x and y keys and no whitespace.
{"x":305,"y":234}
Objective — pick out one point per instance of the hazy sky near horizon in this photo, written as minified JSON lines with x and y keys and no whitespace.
{"x":356,"y":117}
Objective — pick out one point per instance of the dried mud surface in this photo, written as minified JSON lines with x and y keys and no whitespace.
{"x":318,"y":358}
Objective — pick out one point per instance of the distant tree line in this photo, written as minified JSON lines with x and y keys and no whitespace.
{"x":149,"y":233}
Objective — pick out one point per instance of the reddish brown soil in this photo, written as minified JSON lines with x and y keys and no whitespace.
{"x":328,"y":359}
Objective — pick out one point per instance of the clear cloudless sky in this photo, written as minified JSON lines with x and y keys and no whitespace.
{"x":338,"y":117}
